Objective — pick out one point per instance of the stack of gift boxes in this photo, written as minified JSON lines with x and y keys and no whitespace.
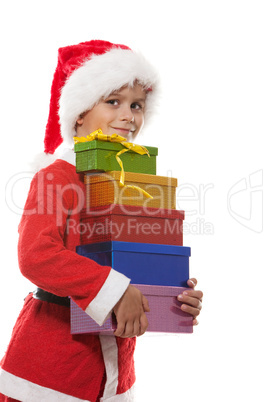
{"x":137,"y":234}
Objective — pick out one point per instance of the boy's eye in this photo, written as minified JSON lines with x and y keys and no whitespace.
{"x":116,"y":102}
{"x":113,"y":101}
{"x":136,"y":105}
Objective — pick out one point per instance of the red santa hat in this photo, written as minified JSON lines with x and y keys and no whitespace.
{"x":86,"y":73}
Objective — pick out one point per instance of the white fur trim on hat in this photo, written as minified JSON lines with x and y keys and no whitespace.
{"x":97,"y":78}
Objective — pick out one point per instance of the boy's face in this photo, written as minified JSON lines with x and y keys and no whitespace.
{"x":121,"y":113}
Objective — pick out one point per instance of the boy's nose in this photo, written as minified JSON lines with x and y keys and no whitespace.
{"x":127,"y":115}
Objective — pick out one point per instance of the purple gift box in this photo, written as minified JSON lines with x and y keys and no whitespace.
{"x":165,"y":314}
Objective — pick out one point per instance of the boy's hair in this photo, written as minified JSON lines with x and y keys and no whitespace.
{"x":86,"y":73}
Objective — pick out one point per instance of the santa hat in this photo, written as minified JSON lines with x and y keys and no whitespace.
{"x":86,"y":73}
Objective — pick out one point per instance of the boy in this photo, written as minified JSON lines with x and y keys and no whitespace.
{"x":97,"y":85}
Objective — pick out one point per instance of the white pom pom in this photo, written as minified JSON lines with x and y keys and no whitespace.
{"x":41,"y":160}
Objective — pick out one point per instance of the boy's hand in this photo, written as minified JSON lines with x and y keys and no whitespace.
{"x":192,"y":300}
{"x":130,"y":314}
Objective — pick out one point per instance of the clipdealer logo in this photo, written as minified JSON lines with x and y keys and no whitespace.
{"x":132,"y":226}
{"x":245,"y":201}
{"x":193,"y":200}
{"x":192,"y":197}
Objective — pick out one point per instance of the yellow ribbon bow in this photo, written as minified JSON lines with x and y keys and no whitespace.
{"x":98,"y":135}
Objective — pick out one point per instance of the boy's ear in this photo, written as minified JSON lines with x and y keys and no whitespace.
{"x":80,"y":120}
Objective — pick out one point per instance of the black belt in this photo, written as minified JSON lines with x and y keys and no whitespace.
{"x":41,"y":294}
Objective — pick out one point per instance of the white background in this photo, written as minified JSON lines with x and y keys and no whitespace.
{"x":210,"y":130}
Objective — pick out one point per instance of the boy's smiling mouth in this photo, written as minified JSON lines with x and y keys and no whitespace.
{"x":124,"y":130}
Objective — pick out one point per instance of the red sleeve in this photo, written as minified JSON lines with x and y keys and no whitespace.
{"x":43,"y":235}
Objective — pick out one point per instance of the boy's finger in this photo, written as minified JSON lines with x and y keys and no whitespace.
{"x":192,"y":282}
{"x":136,"y":328}
{"x":145,"y":304}
{"x":198,"y":294}
{"x":190,"y":310}
{"x":120,"y":329}
{"x":129,"y":330}
{"x":143,"y":324}
{"x":192,"y":301}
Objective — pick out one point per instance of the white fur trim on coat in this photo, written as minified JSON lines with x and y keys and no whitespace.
{"x":97,"y":78}
{"x":43,"y":160}
{"x":26,"y":391}
{"x":128,"y":396}
{"x":112,"y":290}
{"x":110,"y":356}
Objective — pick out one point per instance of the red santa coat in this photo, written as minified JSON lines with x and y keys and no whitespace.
{"x":44,"y":362}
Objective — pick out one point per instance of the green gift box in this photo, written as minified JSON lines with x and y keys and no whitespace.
{"x":101,"y":155}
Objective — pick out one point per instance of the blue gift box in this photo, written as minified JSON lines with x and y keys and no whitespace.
{"x":143,"y":263}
